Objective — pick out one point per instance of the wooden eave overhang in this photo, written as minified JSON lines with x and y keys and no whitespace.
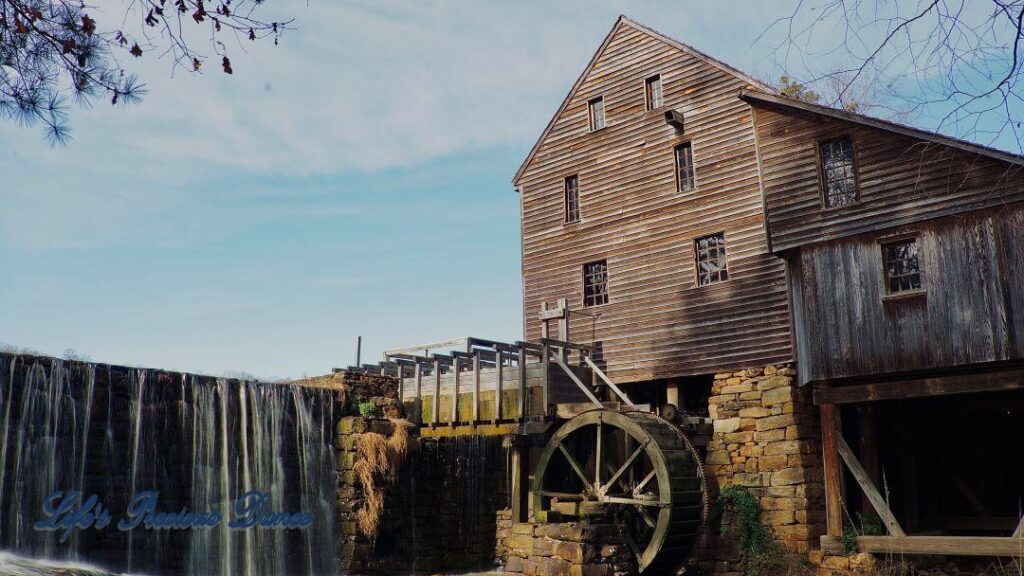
{"x":776,"y":101}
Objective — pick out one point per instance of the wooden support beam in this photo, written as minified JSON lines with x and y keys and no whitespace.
{"x":868,"y":487}
{"x":520,"y":484}
{"x":937,"y":386}
{"x":434,"y":416}
{"x":476,"y":388}
{"x":563,"y":344}
{"x":522,"y":384}
{"x":572,"y":376}
{"x":833,"y":480}
{"x":608,"y":381}
{"x":943,"y":545}
{"x":546,"y":380}
{"x":455,"y":392}
{"x":417,"y":402}
{"x":497,"y":387}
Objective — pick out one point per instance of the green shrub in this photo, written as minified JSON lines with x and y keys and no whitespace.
{"x":369,"y":410}
{"x":864,"y":526}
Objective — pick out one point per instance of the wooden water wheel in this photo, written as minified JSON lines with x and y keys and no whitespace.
{"x":633,"y":468}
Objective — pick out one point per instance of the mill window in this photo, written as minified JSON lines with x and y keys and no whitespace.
{"x":596,"y":107}
{"x":652,"y":91}
{"x":712,"y":266}
{"x":595,"y":283}
{"x":572,"y":199}
{"x":838,"y":173}
{"x":685,"y":180}
{"x":902,"y":267}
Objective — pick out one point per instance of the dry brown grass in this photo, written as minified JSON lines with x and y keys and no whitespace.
{"x":377,"y":462}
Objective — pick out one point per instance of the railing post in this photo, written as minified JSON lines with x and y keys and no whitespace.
{"x":434,"y":416}
{"x":546,"y":363}
{"x":499,"y":358}
{"x":476,"y":387}
{"x":522,"y":384}
{"x":455,"y":392}
{"x":417,"y":401}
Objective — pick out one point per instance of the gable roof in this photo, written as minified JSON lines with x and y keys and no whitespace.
{"x":776,"y":100}
{"x":619,"y":24}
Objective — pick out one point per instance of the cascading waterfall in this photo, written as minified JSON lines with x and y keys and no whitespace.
{"x":201,"y":442}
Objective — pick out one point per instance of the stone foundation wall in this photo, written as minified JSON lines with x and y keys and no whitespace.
{"x":828,"y":564}
{"x":766,"y":437}
{"x":568,"y":549}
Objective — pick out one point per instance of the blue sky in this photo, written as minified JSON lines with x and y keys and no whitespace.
{"x":354,"y":180}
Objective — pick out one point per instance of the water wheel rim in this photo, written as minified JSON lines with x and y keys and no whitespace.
{"x":626,"y":423}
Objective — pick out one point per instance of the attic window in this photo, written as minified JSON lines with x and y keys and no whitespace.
{"x":595,"y":283}
{"x":838,"y":173}
{"x":652,"y":91}
{"x":902,"y":267}
{"x":596,"y":108}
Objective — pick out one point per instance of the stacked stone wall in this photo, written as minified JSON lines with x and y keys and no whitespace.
{"x":567,"y":549}
{"x":766,"y":437}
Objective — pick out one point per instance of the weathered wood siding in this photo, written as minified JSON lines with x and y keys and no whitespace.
{"x":901,"y":180}
{"x":658,"y":322}
{"x":972,"y":310}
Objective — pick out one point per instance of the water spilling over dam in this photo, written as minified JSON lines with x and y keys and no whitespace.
{"x":200,"y":442}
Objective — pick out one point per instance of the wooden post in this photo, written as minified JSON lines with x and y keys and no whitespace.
{"x":830,"y":461}
{"x":437,"y":394}
{"x":417,"y":401}
{"x":520,"y":483}
{"x":545,"y":382}
{"x":455,"y":392}
{"x":868,"y":430}
{"x":499,"y":357}
{"x":401,"y":388}
{"x":476,"y":387}
{"x":522,"y":384}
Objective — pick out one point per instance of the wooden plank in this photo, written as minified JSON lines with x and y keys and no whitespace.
{"x":519,"y":485}
{"x":476,"y":387}
{"x":830,"y":461}
{"x":498,"y":388}
{"x":942,"y":545}
{"x":418,"y":400}
{"x":868,"y":487}
{"x":456,"y":373}
{"x":937,"y":386}
{"x":522,"y":384}
{"x":546,"y":390}
{"x":437,"y":394}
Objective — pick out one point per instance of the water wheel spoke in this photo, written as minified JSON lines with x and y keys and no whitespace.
{"x":575,"y":466}
{"x":647,"y":517}
{"x":632,"y":545}
{"x":637,"y":502}
{"x":597,"y":456}
{"x":629,"y":461}
{"x":643,"y":483}
{"x":564,"y":496}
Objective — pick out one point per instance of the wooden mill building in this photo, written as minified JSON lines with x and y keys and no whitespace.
{"x":685,"y":220}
